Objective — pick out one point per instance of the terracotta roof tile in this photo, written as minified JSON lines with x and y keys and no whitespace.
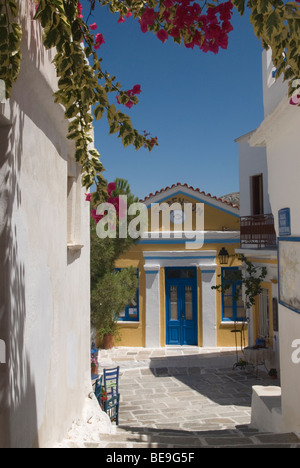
{"x":151,"y":195}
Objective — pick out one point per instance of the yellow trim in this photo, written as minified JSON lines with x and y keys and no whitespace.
{"x":162,"y":293}
{"x":262,"y":260}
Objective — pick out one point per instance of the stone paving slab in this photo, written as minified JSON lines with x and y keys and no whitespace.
{"x":186,"y":397}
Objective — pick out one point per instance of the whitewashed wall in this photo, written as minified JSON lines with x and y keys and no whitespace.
{"x":273,"y":89}
{"x":280,"y":133}
{"x":44,"y":286}
{"x":252,"y":161}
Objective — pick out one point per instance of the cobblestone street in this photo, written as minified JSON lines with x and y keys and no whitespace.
{"x":186,"y":397}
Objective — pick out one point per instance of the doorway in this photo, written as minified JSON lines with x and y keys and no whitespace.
{"x":181,"y":306}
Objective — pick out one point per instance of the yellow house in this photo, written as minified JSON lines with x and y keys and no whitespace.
{"x":178,"y":262}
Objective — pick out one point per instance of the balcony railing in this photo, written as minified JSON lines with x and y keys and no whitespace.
{"x":258,"y":231}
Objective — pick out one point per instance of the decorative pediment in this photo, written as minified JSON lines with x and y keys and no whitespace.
{"x":180,"y":214}
{"x":182,"y":193}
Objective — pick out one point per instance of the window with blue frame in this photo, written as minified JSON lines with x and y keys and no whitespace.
{"x":131,"y":312}
{"x":233,"y":309}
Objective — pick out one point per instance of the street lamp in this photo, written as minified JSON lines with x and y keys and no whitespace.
{"x":223,"y":256}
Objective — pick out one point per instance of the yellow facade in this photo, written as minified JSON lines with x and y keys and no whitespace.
{"x":270,"y":285}
{"x":153,"y":258}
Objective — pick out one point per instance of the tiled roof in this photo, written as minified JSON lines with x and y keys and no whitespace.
{"x":179,"y":185}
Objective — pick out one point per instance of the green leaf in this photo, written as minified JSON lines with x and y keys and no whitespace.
{"x":128,"y":139}
{"x":114,"y":127}
{"x":99,"y":111}
{"x":264,"y":6}
{"x":13,"y":8}
{"x":3,"y":34}
{"x":74,"y":135}
{"x":51,"y":38}
{"x":3,"y":20}
{"x":111,"y":112}
{"x":273,"y":24}
{"x":240,"y":6}
{"x":72,"y":111}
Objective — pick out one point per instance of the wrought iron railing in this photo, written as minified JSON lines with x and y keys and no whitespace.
{"x":258,"y":231}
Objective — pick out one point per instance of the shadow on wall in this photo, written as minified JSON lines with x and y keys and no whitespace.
{"x":18,"y":421}
{"x":23,"y":376}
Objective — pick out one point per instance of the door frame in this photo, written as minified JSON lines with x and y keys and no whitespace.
{"x":181,"y":283}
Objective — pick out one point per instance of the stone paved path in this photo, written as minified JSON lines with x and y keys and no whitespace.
{"x":186,"y":398}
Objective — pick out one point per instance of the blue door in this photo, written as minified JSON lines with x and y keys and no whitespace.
{"x":181,"y":306}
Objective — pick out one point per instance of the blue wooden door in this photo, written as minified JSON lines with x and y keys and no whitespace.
{"x":181,"y":306}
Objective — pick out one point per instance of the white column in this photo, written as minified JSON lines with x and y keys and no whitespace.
{"x":209,"y":311}
{"x":152,"y":307}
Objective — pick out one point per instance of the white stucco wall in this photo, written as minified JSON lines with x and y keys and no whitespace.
{"x":44,"y":287}
{"x":280,"y":134}
{"x":273,"y":90}
{"x":252,"y":161}
{"x":284,"y":164}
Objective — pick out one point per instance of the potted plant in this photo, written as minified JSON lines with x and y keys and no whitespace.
{"x":111,"y":289}
{"x":108,"y":334}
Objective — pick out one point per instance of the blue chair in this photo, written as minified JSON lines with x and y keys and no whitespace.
{"x":98,"y":389}
{"x":109,"y":384}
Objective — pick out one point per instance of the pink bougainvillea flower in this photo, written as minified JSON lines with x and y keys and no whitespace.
{"x":168,"y":3}
{"x":147,"y":19}
{"x":144,"y":27}
{"x":162,"y":35}
{"x":129,"y":104}
{"x":295,"y":100}
{"x":80,"y":8}
{"x":111,"y":188}
{"x":153,"y":141}
{"x":99,"y":40}
{"x":121,"y":20}
{"x":136,"y":89}
{"x":95,"y":216}
{"x":93,"y":26}
{"x":114,"y":201}
{"x":131,"y":92}
{"x":87,"y":197}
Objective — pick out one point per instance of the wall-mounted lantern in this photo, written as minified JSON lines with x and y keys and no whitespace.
{"x":223,"y":256}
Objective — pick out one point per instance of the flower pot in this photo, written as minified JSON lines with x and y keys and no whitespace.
{"x":94,"y":370}
{"x":108,"y":341}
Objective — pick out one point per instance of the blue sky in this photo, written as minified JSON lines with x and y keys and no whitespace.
{"x":195,"y":103}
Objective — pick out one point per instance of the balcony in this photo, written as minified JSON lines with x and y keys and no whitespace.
{"x":258,"y":232}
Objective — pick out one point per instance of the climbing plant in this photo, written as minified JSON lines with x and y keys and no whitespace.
{"x":249,"y":280}
{"x":277,"y":24}
{"x":84,"y":89}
